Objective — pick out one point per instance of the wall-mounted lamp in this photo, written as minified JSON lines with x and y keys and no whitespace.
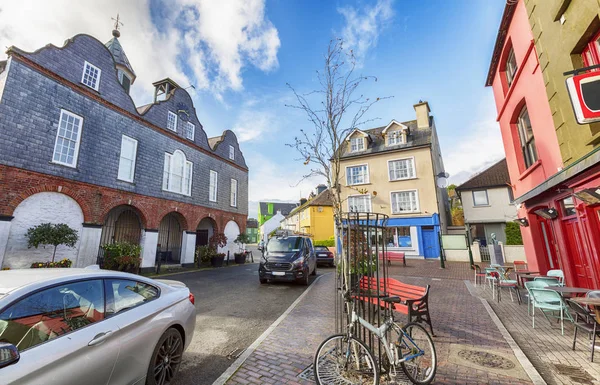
{"x":522,"y":221}
{"x":547,"y":213}
{"x":590,"y":196}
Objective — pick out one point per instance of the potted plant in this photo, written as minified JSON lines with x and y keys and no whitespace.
{"x":217,"y":240}
{"x":51,"y":234}
{"x":204,"y":255}
{"x":241,"y":240}
{"x":122,"y":256}
{"x":240,"y":258}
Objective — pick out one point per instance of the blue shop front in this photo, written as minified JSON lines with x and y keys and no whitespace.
{"x":415,"y":236}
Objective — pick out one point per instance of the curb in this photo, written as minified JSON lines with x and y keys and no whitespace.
{"x":241,"y":359}
{"x":531,"y":371}
{"x":153,"y":276}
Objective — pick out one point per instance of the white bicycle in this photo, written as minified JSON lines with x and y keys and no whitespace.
{"x":345,"y":359}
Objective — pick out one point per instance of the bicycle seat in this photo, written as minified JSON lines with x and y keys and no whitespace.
{"x":394,"y":299}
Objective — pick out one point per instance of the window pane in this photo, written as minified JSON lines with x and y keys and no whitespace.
{"x":526,"y":138}
{"x":171,"y":121}
{"x":568,"y":205}
{"x":51,"y":313}
{"x":359,"y":203}
{"x":67,"y":139}
{"x":189,"y":130}
{"x":127,"y":294}
{"x":213,"y":186}
{"x":404,"y":201}
{"x":231,"y":153}
{"x":167,"y":172}
{"x":401,"y":169}
{"x":480,"y":198}
{"x":357,"y":175}
{"x":90,"y":76}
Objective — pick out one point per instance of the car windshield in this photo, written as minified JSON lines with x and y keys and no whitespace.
{"x":321,"y":248}
{"x":284,"y":245}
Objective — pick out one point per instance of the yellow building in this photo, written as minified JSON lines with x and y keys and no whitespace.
{"x":394,"y":170}
{"x":313,"y":217}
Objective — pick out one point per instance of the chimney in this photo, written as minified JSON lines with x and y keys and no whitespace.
{"x":422,"y":110}
{"x":321,"y":188}
{"x":303,"y":201}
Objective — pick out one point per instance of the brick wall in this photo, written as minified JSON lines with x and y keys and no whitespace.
{"x":96,"y":201}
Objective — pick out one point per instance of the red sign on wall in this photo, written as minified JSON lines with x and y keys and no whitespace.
{"x":584,"y":90}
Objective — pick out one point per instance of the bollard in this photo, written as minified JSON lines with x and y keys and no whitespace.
{"x":227,"y":263}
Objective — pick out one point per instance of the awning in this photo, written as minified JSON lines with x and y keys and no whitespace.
{"x":574,"y":169}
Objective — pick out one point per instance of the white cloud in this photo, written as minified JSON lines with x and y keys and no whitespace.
{"x":211,"y":41}
{"x":363,"y":26}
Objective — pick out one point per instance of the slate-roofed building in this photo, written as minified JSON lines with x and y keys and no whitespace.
{"x":314,"y":216}
{"x":75,"y":149}
{"x":252,"y":230}
{"x":487,"y":203}
{"x":266,"y":210}
{"x":394,"y":170}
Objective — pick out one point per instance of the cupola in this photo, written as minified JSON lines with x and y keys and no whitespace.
{"x":124,"y":70}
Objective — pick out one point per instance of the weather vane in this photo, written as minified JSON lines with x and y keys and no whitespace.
{"x":117,"y":22}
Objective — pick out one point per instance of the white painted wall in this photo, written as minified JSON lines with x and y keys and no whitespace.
{"x":88,"y":248}
{"x":39,"y":208}
{"x":4,"y":231}
{"x":514,"y":253}
{"x":188,"y":245}
{"x":270,"y":225}
{"x":498,"y":210}
{"x":149,"y":244}
{"x":232,"y":230}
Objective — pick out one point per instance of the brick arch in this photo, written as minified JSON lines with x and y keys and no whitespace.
{"x":183,"y":221}
{"x":142,"y":214}
{"x":212,"y":218}
{"x":72,"y":193}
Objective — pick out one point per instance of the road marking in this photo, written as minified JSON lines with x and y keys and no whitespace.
{"x":531,"y":371}
{"x":237,"y":363}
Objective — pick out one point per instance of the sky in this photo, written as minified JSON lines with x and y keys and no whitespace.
{"x":240,"y":54}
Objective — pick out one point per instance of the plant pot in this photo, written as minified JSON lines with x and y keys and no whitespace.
{"x":240,"y":259}
{"x":217,"y":261}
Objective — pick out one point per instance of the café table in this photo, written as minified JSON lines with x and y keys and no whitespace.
{"x":521,"y":273}
{"x":566,"y":291}
{"x":593,"y":302}
{"x":531,"y":277}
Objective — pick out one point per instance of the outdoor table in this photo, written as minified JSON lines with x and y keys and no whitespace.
{"x":566,"y":291}
{"x":593,"y":302}
{"x":531,"y":277}
{"x":521,"y":273}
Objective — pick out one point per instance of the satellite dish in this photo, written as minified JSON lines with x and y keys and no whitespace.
{"x":441,"y":182}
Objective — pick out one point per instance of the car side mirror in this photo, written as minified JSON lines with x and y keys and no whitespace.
{"x":9,"y":354}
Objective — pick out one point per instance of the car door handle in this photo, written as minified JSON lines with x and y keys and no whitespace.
{"x":100,"y":338}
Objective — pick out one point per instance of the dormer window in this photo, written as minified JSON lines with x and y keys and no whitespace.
{"x":172,"y":121}
{"x":394,"y":137}
{"x":124,"y":80}
{"x":357,"y":144}
{"x":511,"y":67}
{"x":91,"y":76}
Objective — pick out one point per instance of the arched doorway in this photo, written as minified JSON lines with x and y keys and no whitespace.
{"x":170,"y":234}
{"x":231,"y":231}
{"x":122,"y":224}
{"x":206,"y":229}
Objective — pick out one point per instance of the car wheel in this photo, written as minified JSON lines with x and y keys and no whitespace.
{"x":305,"y":279}
{"x":315,"y":270}
{"x":263,"y":281}
{"x":166,"y":359}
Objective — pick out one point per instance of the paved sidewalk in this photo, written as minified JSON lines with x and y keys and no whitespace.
{"x":466,"y":336}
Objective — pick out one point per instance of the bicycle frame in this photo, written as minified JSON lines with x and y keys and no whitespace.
{"x":380,"y":334}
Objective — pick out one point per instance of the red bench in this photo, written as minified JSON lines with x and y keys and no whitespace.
{"x":394,"y":256}
{"x":414,"y":298}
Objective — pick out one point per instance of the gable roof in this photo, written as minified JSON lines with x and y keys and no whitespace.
{"x":494,"y":176}
{"x":416,"y":137}
{"x":402,"y":126}
{"x":323,"y":199}
{"x":509,"y":11}
{"x":285,"y":208}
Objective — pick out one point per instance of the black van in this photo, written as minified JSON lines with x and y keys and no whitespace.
{"x":288,"y":258}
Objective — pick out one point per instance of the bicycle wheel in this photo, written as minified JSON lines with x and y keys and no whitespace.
{"x":420,"y":369}
{"x":341,"y":360}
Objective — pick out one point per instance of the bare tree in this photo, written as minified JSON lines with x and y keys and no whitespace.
{"x":335,"y":109}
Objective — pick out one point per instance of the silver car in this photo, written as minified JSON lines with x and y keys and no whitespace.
{"x":91,"y":327}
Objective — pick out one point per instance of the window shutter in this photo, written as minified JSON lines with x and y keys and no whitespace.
{"x":167,"y":170}
{"x":188,"y":178}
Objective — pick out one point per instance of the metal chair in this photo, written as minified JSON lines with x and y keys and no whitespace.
{"x":520,"y":265}
{"x":586,"y":321}
{"x":558,"y":274}
{"x":548,"y":280}
{"x":479,"y":275}
{"x":531,"y":285}
{"x":500,"y":283}
{"x":488,"y":277}
{"x":550,"y":301}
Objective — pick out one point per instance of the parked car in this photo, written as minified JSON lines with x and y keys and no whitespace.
{"x":288,"y":258}
{"x":91,"y":326}
{"x":324,"y":256}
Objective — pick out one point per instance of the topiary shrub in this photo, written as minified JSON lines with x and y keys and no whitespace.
{"x":51,"y":234}
{"x":513,"y":234}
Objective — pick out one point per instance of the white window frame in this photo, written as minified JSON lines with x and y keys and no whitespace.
{"x":231,"y":152}
{"x":188,"y":168}
{"x":367,"y":177}
{"x":412,"y":159}
{"x":77,"y":142}
{"x":418,"y":204}
{"x":234,"y":192}
{"x":135,"y":144}
{"x":360,"y":147}
{"x":487,"y":198}
{"x":169,"y":114}
{"x":189,"y":127}
{"x":97,"y":85}
{"x":397,"y":136}
{"x":212,"y":187}
{"x":368,"y":196}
